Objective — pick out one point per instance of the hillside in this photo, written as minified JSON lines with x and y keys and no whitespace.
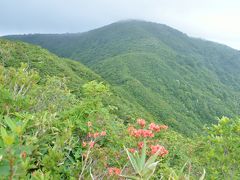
{"x":182,"y":81}
{"x":46,"y":121}
{"x":12,"y":54}
{"x":61,"y":120}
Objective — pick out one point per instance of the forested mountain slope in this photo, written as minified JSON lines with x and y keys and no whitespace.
{"x":183,"y":81}
{"x":12,"y":54}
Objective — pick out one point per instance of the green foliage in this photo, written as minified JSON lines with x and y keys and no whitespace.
{"x":47,"y":64}
{"x":13,"y":150}
{"x":144,"y":169}
{"x":15,"y":87}
{"x":45,"y":113}
{"x":74,"y":75}
{"x":219,"y":151}
{"x":186,"y":173}
{"x":181,"y":81}
{"x":54,"y":96}
{"x":44,"y":140}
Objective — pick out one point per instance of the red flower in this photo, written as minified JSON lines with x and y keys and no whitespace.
{"x":140,"y":145}
{"x":141,"y":122}
{"x":95,"y":135}
{"x":154,"y":127}
{"x":103,"y":133}
{"x":147,"y":133}
{"x":114,"y":171}
{"x":157,"y":128}
{"x":136,"y":133}
{"x":132,"y":150}
{"x":160,"y":149}
{"x":131,"y":129}
{"x":117,"y":171}
{"x":91,"y":144}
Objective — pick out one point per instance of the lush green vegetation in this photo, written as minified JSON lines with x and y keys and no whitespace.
{"x":180,"y":81}
{"x":61,"y":120}
{"x":44,"y":123}
{"x":47,"y":64}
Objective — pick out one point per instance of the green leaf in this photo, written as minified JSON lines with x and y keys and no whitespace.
{"x":130,"y":177}
{"x":10,"y":123}
{"x":138,"y":160}
{"x":149,"y":170}
{"x":4,"y":170}
{"x":143,"y":156}
{"x":3,"y":132}
{"x":133,"y":161}
{"x":7,"y":139}
{"x":152,"y":159}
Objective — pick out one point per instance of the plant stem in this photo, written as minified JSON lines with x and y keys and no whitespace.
{"x":11,"y":163}
{"x":85,"y":164}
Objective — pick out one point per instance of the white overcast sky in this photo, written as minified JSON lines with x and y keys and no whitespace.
{"x":216,"y":20}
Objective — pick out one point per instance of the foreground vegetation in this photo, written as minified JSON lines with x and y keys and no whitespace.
{"x":49,"y":133}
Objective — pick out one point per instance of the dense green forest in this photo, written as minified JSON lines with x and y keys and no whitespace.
{"x":147,"y":102}
{"x":181,"y":81}
{"x":47,"y":64}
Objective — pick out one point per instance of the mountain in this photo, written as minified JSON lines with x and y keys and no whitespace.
{"x":182,"y":81}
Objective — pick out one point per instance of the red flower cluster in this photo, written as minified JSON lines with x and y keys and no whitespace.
{"x":91,"y":144}
{"x":90,"y":135}
{"x":97,"y":134}
{"x":146,"y":133}
{"x":141,"y":133}
{"x":114,"y":171}
{"x":160,"y":149}
{"x":157,"y":128}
